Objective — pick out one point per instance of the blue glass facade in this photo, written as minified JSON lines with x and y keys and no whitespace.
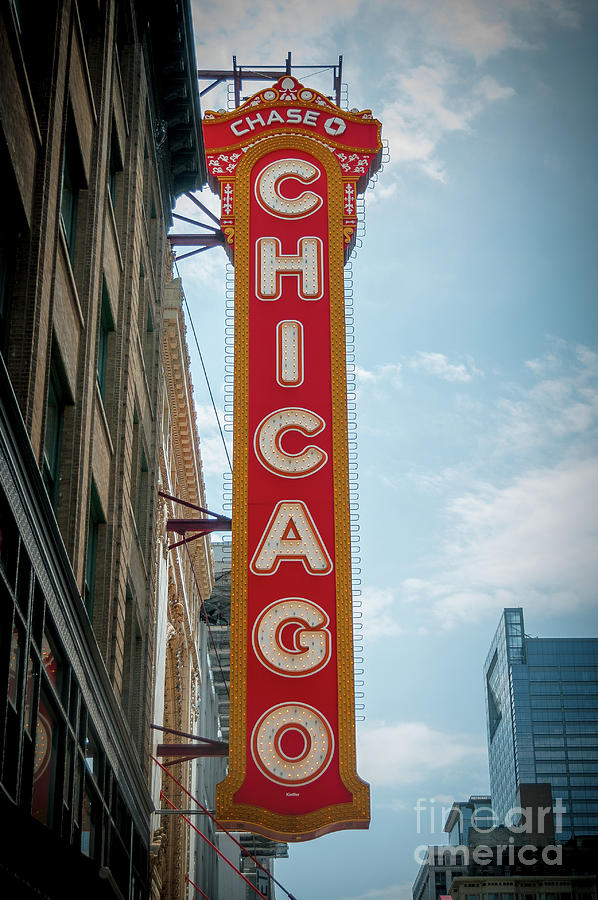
{"x":542,"y":720}
{"x":475,"y":812}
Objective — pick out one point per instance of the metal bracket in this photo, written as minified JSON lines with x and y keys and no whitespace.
{"x":239,"y":74}
{"x":200,"y":241}
{"x":200,"y":527}
{"x":184,"y":752}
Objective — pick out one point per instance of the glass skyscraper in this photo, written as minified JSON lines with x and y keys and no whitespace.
{"x":542,"y":718}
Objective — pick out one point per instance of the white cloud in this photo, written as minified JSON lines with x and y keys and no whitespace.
{"x":392,"y":892}
{"x":438,"y":364}
{"x":531,"y":542}
{"x":431,"y":101}
{"x":490,"y":89}
{"x":429,"y":48}
{"x":411,"y":752}
{"x":518,"y":524}
{"x":206,"y":417}
{"x":264,"y":31}
{"x":473,"y":28}
{"x":384,"y":191}
{"x":561,"y":404}
{"x":379,"y":612}
{"x":213,"y":455}
{"x":389,"y":373}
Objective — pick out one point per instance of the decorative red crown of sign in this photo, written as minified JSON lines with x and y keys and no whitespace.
{"x":352,"y":137}
{"x":289,"y":165}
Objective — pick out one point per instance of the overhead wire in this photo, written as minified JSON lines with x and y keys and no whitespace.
{"x":208,"y":841}
{"x":190,"y":317}
{"x":222,"y":828}
{"x":198,"y":889}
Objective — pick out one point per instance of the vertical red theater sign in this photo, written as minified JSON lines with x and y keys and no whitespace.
{"x":289,"y":165}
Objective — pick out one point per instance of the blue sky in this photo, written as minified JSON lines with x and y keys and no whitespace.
{"x":476,"y":334}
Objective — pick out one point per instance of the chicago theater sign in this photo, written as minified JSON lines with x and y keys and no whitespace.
{"x":288,"y":165}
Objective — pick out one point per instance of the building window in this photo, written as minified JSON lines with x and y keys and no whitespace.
{"x":492,"y":693}
{"x":133,"y":670}
{"x":96,"y":520}
{"x":147,"y":342}
{"x":115,"y":164}
{"x":58,"y":400}
{"x":142,"y":497}
{"x":72,"y":183}
{"x":45,"y":760}
{"x":139,"y":482}
{"x":68,"y":203}
{"x":145,"y":325}
{"x":106,"y":326}
{"x":7,"y":255}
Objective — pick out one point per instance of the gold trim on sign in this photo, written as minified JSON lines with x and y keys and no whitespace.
{"x":354,"y":814}
{"x":211,"y":115}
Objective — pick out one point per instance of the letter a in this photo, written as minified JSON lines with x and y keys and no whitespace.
{"x":291,"y":517}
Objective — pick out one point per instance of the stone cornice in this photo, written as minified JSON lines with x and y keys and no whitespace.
{"x":183,"y":424}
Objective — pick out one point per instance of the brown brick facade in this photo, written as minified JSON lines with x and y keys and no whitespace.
{"x":88,"y":192}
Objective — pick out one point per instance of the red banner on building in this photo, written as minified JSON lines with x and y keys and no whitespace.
{"x":289,"y":165}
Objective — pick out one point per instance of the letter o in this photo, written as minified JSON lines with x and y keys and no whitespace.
{"x":317,"y":744}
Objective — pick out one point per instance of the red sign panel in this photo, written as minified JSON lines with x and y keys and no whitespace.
{"x":288,"y":207}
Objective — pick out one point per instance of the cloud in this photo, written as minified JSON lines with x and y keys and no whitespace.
{"x":531,"y":542}
{"x":436,"y":52}
{"x":211,"y":448}
{"x":392,"y":892}
{"x":432,"y":100}
{"x":562,"y":404}
{"x":414,"y":753}
{"x":516,"y":511}
{"x":389,"y":373}
{"x":470,"y":27}
{"x":438,"y":364}
{"x":263,"y":31}
{"x":436,"y":91}
{"x":379,"y":611}
{"x":490,"y":89}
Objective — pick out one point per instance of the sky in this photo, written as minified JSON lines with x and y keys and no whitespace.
{"x":477,"y":370}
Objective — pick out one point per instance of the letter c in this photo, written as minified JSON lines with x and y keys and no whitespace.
{"x":268,"y":437}
{"x":268,"y":183}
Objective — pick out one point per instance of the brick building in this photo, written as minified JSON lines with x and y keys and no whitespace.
{"x":99,"y":132}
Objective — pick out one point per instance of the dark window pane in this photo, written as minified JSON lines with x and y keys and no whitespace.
{"x":96,"y":518}
{"x":15,"y":665}
{"x":88,"y":823}
{"x":52,"y":661}
{"x":44,"y":768}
